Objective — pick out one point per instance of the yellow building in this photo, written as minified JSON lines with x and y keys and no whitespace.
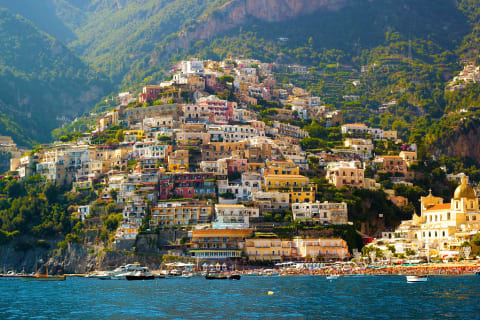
{"x":282,"y":167}
{"x":219,"y":150}
{"x":218,"y":243}
{"x":181,"y":213}
{"x":320,"y":249}
{"x":297,"y":186}
{"x":269,"y":249}
{"x":300,"y":195}
{"x":273,"y":182}
{"x":178,"y":161}
{"x":133,"y":135}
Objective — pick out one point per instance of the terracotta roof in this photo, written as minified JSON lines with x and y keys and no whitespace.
{"x":444,"y":206}
{"x":355,"y":125}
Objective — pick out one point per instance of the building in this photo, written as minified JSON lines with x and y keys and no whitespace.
{"x":178,"y":161}
{"x":321,"y":249}
{"x":281,"y":167}
{"x":284,"y":181}
{"x":181,"y":213}
{"x":445,"y":226}
{"x":272,"y":201}
{"x":234,"y":216}
{"x":262,"y":248}
{"x":395,"y":165}
{"x":321,"y":212}
{"x":83,"y":212}
{"x":285,"y":129}
{"x":360,"y":129}
{"x":348,"y":174}
{"x":218,"y":244}
{"x":361,"y":147}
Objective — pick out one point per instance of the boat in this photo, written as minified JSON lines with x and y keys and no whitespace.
{"x":102,"y":275}
{"x":219,"y":276}
{"x":186,"y":274}
{"x":143,"y":274}
{"x":11,"y":275}
{"x":215,"y":276}
{"x":417,"y":278}
{"x":234,"y":277}
{"x":44,"y":277}
{"x":175,"y":273}
{"x":332,"y":277}
{"x":122,"y":272}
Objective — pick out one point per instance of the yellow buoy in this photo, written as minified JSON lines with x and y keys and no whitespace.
{"x":270,"y":293}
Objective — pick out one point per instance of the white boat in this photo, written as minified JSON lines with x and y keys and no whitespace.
{"x":332,"y":277}
{"x":143,"y":274}
{"x":187,"y":274}
{"x":412,"y":279}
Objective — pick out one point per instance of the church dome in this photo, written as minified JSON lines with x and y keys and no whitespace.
{"x":464,"y":191}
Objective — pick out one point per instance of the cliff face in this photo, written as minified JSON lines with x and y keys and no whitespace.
{"x":278,"y":10}
{"x":236,"y":12}
{"x":461,"y":142}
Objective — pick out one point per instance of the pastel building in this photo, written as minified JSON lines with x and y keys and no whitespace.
{"x":345,"y":174}
{"x":321,"y":212}
{"x":218,"y":244}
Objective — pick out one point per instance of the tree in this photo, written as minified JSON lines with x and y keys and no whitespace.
{"x":119,"y":136}
{"x":15,"y":190}
{"x":476,"y":240}
{"x":113,"y":194}
{"x":313,"y":161}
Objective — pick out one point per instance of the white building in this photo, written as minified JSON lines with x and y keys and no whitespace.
{"x":192,"y":66}
{"x":234,"y":216}
{"x":321,"y":212}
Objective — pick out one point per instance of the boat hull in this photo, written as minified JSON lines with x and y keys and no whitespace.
{"x":413,"y":279}
{"x":232,"y":277}
{"x":133,"y":278}
{"x":47,"y":278}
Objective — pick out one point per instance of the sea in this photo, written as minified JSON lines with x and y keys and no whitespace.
{"x":294,"y":297}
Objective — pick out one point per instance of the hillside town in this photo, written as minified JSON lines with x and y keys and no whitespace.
{"x":193,"y":155}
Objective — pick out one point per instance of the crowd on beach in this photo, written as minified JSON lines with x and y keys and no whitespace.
{"x":426,"y":269}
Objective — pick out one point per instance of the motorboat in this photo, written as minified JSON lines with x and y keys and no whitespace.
{"x":417,"y":278}
{"x":220,"y":276}
{"x":143,"y":274}
{"x":332,"y":277}
{"x":187,"y":274}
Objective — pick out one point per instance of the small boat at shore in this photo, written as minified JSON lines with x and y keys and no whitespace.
{"x":44,"y":277}
{"x":332,"y":277}
{"x":143,"y":274}
{"x":219,"y":276}
{"x":418,"y":278}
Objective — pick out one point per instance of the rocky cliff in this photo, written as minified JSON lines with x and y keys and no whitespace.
{"x":237,"y":12}
{"x":460,"y":141}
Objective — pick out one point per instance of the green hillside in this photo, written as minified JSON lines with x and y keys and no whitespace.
{"x":410,"y":48}
{"x":43,"y":83}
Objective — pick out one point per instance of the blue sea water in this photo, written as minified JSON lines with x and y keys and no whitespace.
{"x":302,"y":297}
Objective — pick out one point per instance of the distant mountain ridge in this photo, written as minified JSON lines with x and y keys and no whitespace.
{"x":43,"y":83}
{"x":133,"y":42}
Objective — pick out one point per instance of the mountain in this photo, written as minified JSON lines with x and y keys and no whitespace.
{"x":44,"y":84}
{"x":409,"y":48}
